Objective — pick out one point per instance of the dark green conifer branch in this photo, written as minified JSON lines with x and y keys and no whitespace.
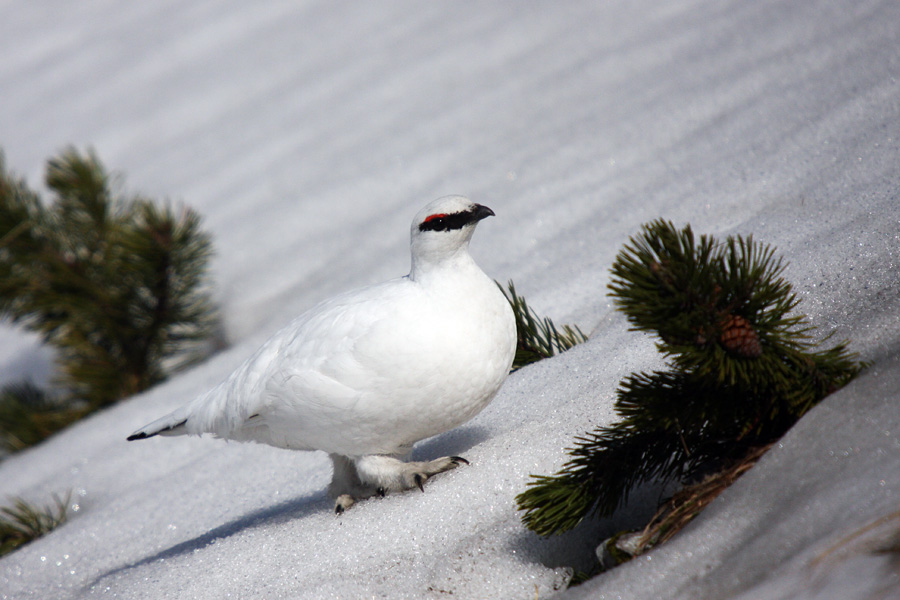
{"x":538,"y":338}
{"x":116,"y":284}
{"x":28,"y":415}
{"x":23,"y":522}
{"x":742,"y":368}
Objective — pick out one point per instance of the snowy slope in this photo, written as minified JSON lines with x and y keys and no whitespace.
{"x":309,"y":133}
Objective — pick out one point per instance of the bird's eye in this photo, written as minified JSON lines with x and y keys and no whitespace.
{"x":435,"y":222}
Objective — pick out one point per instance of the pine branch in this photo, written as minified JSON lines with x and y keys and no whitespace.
{"x":117,"y":284}
{"x":538,"y":338}
{"x":24,"y":522}
{"x":742,"y":370}
{"x":605,"y":466}
{"x":29,"y":415}
{"x":664,"y":433}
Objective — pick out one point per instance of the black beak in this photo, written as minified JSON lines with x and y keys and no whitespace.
{"x":481,"y":212}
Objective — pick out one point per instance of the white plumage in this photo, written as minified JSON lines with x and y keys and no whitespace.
{"x":366,"y":374}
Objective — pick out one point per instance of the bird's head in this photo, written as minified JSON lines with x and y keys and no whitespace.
{"x":442,"y":229}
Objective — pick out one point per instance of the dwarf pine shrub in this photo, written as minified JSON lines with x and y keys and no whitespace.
{"x":742,"y":368}
{"x":116,"y":284}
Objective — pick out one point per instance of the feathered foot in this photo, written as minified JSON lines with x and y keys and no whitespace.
{"x":367,"y":476}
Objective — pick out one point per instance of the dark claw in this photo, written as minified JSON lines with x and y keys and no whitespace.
{"x":380,"y":491}
{"x":420,"y":482}
{"x":459,"y":459}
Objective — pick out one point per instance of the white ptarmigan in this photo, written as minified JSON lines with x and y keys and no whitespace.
{"x":366,"y":374}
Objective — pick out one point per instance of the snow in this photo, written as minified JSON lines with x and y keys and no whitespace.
{"x":309,"y":133}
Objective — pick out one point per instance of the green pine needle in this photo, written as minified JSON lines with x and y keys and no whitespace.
{"x":23,"y":522}
{"x":538,"y":338}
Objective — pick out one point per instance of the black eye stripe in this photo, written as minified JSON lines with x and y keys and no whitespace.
{"x":448,"y":222}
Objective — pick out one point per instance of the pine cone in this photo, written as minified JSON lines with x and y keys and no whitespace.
{"x":739,"y":337}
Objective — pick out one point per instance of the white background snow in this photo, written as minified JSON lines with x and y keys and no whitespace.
{"x":309,"y":133}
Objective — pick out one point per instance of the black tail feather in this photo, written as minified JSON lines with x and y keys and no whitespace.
{"x":143,"y":435}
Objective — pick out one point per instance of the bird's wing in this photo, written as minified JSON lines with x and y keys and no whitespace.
{"x":305,"y":372}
